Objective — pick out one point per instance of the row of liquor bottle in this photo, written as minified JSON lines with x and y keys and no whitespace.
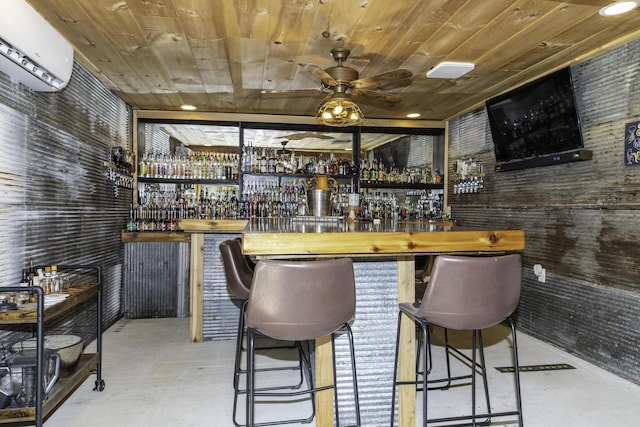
{"x":281,"y":161}
{"x":210,"y":165}
{"x":375,"y":172}
{"x":161,"y":208}
{"x":224,"y":166}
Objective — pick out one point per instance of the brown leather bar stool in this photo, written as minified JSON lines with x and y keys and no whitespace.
{"x":238,"y":271}
{"x":470,"y":294}
{"x":300,"y":301}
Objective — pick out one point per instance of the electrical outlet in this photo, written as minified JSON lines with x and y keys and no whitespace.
{"x":540,"y":273}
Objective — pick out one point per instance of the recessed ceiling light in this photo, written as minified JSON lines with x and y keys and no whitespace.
{"x":618,"y":7}
{"x":188,"y":107}
{"x":450,"y":70}
{"x":413,"y":115}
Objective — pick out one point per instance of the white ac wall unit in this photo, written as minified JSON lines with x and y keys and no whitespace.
{"x":31,"y":50}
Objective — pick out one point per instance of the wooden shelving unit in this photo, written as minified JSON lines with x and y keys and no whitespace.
{"x":88,"y":364}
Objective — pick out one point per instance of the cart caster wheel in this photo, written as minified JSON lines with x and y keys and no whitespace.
{"x":99,"y":385}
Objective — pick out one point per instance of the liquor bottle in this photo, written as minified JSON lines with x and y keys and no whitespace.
{"x":364,"y":172}
{"x":263,"y":161}
{"x":46,"y":283}
{"x":271,"y":165}
{"x":381,"y":172}
{"x":247,"y":157}
{"x":373,"y":172}
{"x":55,"y":279}
{"x":234,"y":168}
{"x":25,"y":280}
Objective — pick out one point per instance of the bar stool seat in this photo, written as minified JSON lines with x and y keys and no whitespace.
{"x":469,"y":294}
{"x":298,"y":301}
{"x":239,"y":275}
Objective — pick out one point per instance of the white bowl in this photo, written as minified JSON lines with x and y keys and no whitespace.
{"x":69,"y":347}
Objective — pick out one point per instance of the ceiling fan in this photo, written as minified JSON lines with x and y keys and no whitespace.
{"x":343,"y":80}
{"x":284,"y":150}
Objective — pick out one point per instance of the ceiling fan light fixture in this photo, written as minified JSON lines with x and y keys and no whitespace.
{"x":618,"y":8}
{"x":339,"y":111}
{"x":450,"y":70}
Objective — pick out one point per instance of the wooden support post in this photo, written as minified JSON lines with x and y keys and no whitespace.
{"x":196,"y":287}
{"x":407,"y":344}
{"x":324,"y":376}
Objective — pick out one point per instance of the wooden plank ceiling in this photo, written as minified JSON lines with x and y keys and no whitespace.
{"x":243,"y":56}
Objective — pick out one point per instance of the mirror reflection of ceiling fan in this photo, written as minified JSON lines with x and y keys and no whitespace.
{"x":343,"y":80}
{"x":303,"y":135}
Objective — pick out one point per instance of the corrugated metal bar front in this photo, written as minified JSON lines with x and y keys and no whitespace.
{"x":221,"y":309}
{"x":374,"y":333}
{"x":155,"y":280}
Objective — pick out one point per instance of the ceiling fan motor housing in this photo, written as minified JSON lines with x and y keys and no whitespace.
{"x":342,"y":74}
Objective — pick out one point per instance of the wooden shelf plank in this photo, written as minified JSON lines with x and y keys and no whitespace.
{"x":28,"y":313}
{"x":65,"y":385}
{"x":154,"y":236}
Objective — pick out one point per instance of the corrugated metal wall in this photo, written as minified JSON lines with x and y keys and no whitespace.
{"x":153,"y":139}
{"x":580,"y":219}
{"x":57,"y":206}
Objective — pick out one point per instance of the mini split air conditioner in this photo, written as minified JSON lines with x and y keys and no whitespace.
{"x":32,"y":51}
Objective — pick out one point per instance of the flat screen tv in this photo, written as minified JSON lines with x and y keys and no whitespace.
{"x":536,"y":124}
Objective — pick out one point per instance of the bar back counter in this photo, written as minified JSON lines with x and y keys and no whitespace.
{"x":384,"y":263}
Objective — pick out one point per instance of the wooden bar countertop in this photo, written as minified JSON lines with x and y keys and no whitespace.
{"x":338,"y":237}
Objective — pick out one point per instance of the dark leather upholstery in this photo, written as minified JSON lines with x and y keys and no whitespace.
{"x":250,"y":263}
{"x":301,"y":300}
{"x":237,"y":271}
{"x":467,"y":293}
{"x":464,"y":293}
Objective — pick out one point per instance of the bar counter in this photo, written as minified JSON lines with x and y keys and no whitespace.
{"x":399,"y":242}
{"x":305,"y":237}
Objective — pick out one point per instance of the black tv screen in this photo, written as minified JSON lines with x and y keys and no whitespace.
{"x":537,"y":119}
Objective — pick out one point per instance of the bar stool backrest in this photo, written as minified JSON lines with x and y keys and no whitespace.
{"x":236,"y":269}
{"x":472,"y":292}
{"x":301,"y":300}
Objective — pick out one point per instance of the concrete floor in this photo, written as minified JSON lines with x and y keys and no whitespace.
{"x":155,"y":377}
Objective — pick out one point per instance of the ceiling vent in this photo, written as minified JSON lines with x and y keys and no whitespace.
{"x":450,"y":70}
{"x":32,"y":51}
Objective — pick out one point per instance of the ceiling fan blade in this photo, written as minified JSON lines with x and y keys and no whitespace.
{"x":383,"y":80}
{"x":303,"y":135}
{"x":389,"y":98}
{"x":292,"y":92}
{"x":392,"y":84}
{"x":319,"y":73}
